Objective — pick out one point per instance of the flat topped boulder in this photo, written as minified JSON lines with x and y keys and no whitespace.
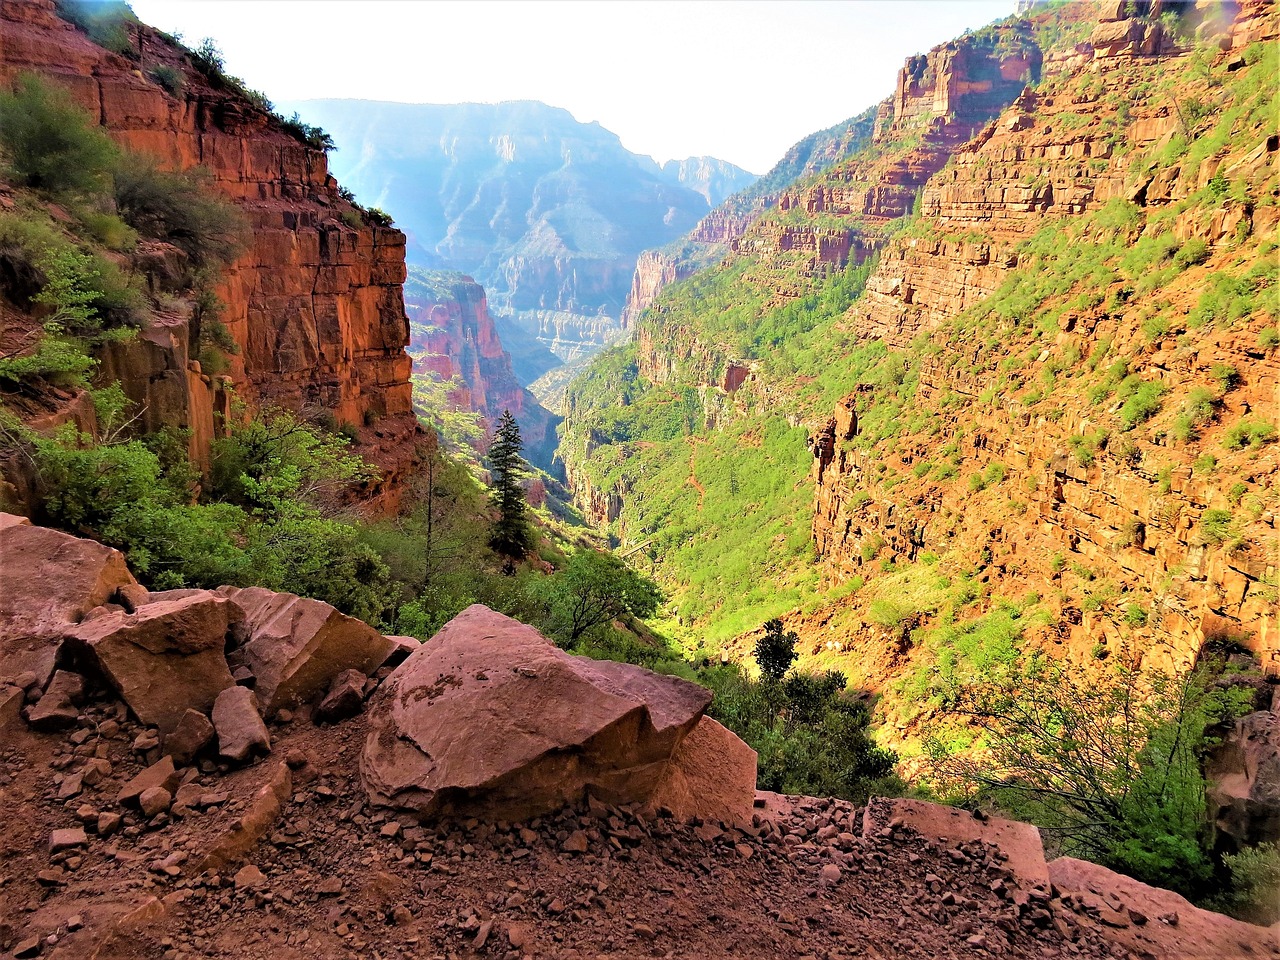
{"x":165,"y":658}
{"x":489,"y":718}
{"x":296,"y":646}
{"x":48,"y":581}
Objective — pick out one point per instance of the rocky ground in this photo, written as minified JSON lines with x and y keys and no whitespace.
{"x":218,"y":876}
{"x":319,"y":832}
{"x":334,"y":878}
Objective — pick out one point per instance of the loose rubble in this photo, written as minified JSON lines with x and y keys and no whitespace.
{"x":123,"y":842}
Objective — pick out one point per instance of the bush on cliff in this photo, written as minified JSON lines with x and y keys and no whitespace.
{"x":1109,"y":765}
{"x":48,"y":143}
{"x":813,"y":740}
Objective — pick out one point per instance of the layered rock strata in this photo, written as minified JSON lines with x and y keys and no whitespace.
{"x":314,"y":302}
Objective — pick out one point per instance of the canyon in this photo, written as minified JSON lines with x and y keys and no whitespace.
{"x":982,"y":379}
{"x":548,"y":214}
{"x":453,"y":338}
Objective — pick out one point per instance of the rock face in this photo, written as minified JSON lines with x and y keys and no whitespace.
{"x":48,"y":581}
{"x":712,"y":776}
{"x":296,"y":646}
{"x":165,"y":658}
{"x":452,"y":337}
{"x":1133,"y":514}
{"x":314,"y":303}
{"x":491,"y":719}
{"x":1244,"y":776}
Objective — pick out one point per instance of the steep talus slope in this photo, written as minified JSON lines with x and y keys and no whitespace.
{"x":547,"y":213}
{"x":314,"y":303}
{"x":452,"y":338}
{"x":1082,"y":311}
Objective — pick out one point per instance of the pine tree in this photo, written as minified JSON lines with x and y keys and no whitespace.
{"x":512,"y":535}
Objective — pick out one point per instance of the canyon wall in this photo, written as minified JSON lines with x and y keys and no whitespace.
{"x":314,"y":302}
{"x":1133,"y":515}
{"x":453,"y":337}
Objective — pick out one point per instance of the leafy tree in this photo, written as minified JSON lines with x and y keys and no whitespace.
{"x":276,"y":462}
{"x":594,"y":589}
{"x":1109,"y":766}
{"x":814,"y":740}
{"x":48,"y":140}
{"x":775,"y":651}
{"x":512,"y":535}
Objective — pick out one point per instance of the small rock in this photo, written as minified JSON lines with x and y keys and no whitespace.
{"x":345,"y":697}
{"x":643,"y":930}
{"x":329,"y":887}
{"x":193,"y":733}
{"x":745,"y":851}
{"x":27,"y":948}
{"x":72,"y":784}
{"x":95,"y":771}
{"x":109,"y":823}
{"x":154,"y":800}
{"x":238,"y":724}
{"x":830,"y":874}
{"x":67,"y":839}
{"x":56,"y":709}
{"x":482,"y":935}
{"x":249,"y":877}
{"x":159,"y":774}
{"x":401,"y":916}
{"x":576,"y":842}
{"x":147,"y":740}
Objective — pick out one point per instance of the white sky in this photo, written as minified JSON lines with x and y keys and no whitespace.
{"x":741,"y":80}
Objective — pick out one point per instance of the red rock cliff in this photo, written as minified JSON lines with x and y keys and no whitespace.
{"x":1133,"y":515}
{"x":314,"y":303}
{"x":453,"y":337}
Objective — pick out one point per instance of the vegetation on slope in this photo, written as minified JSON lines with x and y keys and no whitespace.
{"x":713,"y":480}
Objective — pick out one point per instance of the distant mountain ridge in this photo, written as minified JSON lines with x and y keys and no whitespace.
{"x":548,"y":214}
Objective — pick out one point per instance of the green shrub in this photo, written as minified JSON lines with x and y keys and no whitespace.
{"x":170,"y":78}
{"x":1249,"y":432}
{"x":49,"y":142}
{"x":1110,"y":762}
{"x":1194,"y":251}
{"x":1217,"y":526}
{"x":179,"y":208}
{"x":1143,"y":403}
{"x":1268,"y":339}
{"x":1136,"y":615}
{"x":1205,"y":464}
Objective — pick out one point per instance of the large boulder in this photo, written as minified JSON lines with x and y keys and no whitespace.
{"x":712,"y":776}
{"x":295,"y":646}
{"x":1244,"y":773}
{"x":1153,"y":922}
{"x":491,"y":719}
{"x":164,"y":659}
{"x":48,"y":581}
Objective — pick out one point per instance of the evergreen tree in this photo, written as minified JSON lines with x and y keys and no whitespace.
{"x":512,"y":535}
